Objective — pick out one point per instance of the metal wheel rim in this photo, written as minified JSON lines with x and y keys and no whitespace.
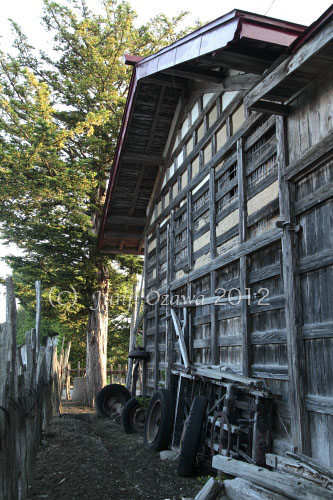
{"x":113,"y":405}
{"x":137,"y":419}
{"x":154,"y":422}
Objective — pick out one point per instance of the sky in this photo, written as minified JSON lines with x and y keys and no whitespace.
{"x":27,"y":14}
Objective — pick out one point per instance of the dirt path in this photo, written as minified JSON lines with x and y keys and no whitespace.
{"x":84,"y":457}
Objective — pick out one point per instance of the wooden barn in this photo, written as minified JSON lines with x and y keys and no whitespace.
{"x":222,"y":179}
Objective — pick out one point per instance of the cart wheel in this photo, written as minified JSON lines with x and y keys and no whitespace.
{"x":111,"y":400}
{"x":192,"y":435}
{"x":159,"y":421}
{"x":134,"y":414}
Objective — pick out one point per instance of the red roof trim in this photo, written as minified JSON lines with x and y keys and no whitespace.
{"x":310,"y":30}
{"x":132,"y":60}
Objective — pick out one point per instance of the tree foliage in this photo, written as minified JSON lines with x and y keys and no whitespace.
{"x":60,"y":113}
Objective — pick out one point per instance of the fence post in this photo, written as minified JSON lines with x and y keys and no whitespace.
{"x":38,"y":312}
{"x":68,"y":381}
{"x":10,"y":474}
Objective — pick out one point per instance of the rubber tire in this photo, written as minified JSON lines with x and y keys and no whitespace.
{"x":161,"y":441}
{"x":192,"y":436}
{"x":106,"y":392}
{"x":131,"y":405}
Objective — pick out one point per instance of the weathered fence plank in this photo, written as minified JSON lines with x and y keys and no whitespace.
{"x":29,"y":395}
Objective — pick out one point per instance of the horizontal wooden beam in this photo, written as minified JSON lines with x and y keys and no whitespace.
{"x":240,"y":62}
{"x":230,"y":83}
{"x":194,"y":73}
{"x":123,"y":234}
{"x":126,"y":219}
{"x":294,"y":62}
{"x":140,"y":157}
{"x":271,"y":107}
{"x":159,"y":79}
{"x":114,"y":249}
{"x":315,"y":155}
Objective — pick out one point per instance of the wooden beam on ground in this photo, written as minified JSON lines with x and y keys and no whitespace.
{"x":240,"y":489}
{"x":298,"y":469}
{"x":211,"y":491}
{"x":284,"y":484}
{"x":293,"y":309}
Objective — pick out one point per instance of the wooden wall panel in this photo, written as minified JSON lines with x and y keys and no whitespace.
{"x":311,"y":118}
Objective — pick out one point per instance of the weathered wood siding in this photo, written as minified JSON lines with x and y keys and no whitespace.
{"x":214,"y":227}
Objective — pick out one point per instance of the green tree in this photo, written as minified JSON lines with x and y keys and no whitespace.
{"x":59,"y":118}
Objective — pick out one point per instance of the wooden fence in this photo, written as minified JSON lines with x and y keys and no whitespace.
{"x":115,"y":375}
{"x":31,"y":379}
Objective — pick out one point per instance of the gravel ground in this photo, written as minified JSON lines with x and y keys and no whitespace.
{"x":85,"y":457}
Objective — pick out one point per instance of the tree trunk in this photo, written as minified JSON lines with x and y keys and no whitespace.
{"x":132,"y":340}
{"x":97,"y":331}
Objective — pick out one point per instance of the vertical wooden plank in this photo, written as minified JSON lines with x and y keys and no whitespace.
{"x":213,"y":253}
{"x":168,"y":326}
{"x":228,"y":123}
{"x":189,"y":230}
{"x":213,"y":322}
{"x":242,"y":188}
{"x":156,"y":346}
{"x":243,"y":261}
{"x":172,"y":245}
{"x":144,"y":340}
{"x":212,"y":213}
{"x":38,"y":311}
{"x":132,"y":341}
{"x":293,"y":310}
{"x":190,"y":324}
{"x":156,"y":364}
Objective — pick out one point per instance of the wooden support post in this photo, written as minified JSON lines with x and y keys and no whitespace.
{"x":190,"y":324}
{"x":156,"y":334}
{"x":38,"y":311}
{"x":144,"y":340}
{"x":243,"y":261}
{"x":212,"y":213}
{"x":156,"y":316}
{"x":68,"y":382}
{"x":189,"y":230}
{"x":132,"y":340}
{"x":168,"y":323}
{"x":214,"y":325}
{"x":293,"y":309}
{"x":172,"y":246}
